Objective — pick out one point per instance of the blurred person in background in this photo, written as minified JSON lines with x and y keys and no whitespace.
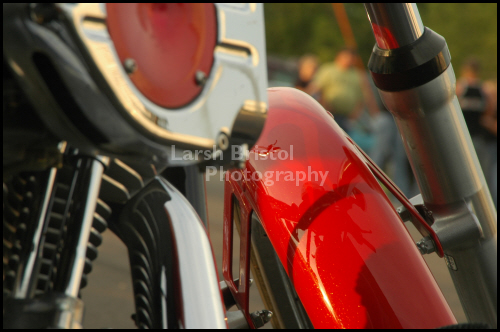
{"x":307,"y":67}
{"x":478,"y":111}
{"x":489,"y":122}
{"x":339,"y":86}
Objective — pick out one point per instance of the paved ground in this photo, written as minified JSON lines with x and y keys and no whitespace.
{"x":109,"y":299}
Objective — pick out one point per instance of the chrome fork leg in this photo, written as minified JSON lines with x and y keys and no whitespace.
{"x":453,"y":187}
{"x":77,"y":261}
{"x":412,"y":69}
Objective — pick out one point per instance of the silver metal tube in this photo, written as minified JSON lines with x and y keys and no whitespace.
{"x":394,"y":24}
{"x":21,"y":291}
{"x":201,"y":296}
{"x":75,"y":276}
{"x":446,"y":166}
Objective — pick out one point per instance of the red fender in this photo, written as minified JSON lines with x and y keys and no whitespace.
{"x":347,"y":252}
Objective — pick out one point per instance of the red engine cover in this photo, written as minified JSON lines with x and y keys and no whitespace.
{"x":347,"y":252}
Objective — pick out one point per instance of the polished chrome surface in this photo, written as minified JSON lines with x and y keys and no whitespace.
{"x":446,"y":166}
{"x":436,"y":140}
{"x":238,"y":57}
{"x":202,"y":305}
{"x":69,"y":313}
{"x":399,"y":24}
{"x":76,"y":272}
{"x":21,"y":290}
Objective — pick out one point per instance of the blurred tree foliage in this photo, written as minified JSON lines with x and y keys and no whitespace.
{"x":296,"y":29}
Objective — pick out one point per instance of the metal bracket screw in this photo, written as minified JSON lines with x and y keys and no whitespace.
{"x":223,"y":141}
{"x":130,"y":66}
{"x":426,"y":245}
{"x":200,"y":77}
{"x":260,"y":318}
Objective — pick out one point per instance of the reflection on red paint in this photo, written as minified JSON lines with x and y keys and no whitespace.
{"x":343,"y":245}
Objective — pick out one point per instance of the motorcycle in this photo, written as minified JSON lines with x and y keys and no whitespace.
{"x":111,"y":122}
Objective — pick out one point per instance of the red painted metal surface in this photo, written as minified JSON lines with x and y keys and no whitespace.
{"x":169,"y":42}
{"x":347,"y":252}
{"x":420,"y":224}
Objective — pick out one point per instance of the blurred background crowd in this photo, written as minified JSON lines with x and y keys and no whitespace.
{"x":325,"y":57}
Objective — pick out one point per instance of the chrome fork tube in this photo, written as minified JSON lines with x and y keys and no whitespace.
{"x":402,"y":20}
{"x":445,"y":164}
{"x":72,"y":286}
{"x":417,"y":84}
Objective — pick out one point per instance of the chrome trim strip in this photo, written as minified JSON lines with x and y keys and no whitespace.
{"x":201,"y":296}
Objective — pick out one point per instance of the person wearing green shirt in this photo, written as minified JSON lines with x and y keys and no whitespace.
{"x":340,"y":85}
